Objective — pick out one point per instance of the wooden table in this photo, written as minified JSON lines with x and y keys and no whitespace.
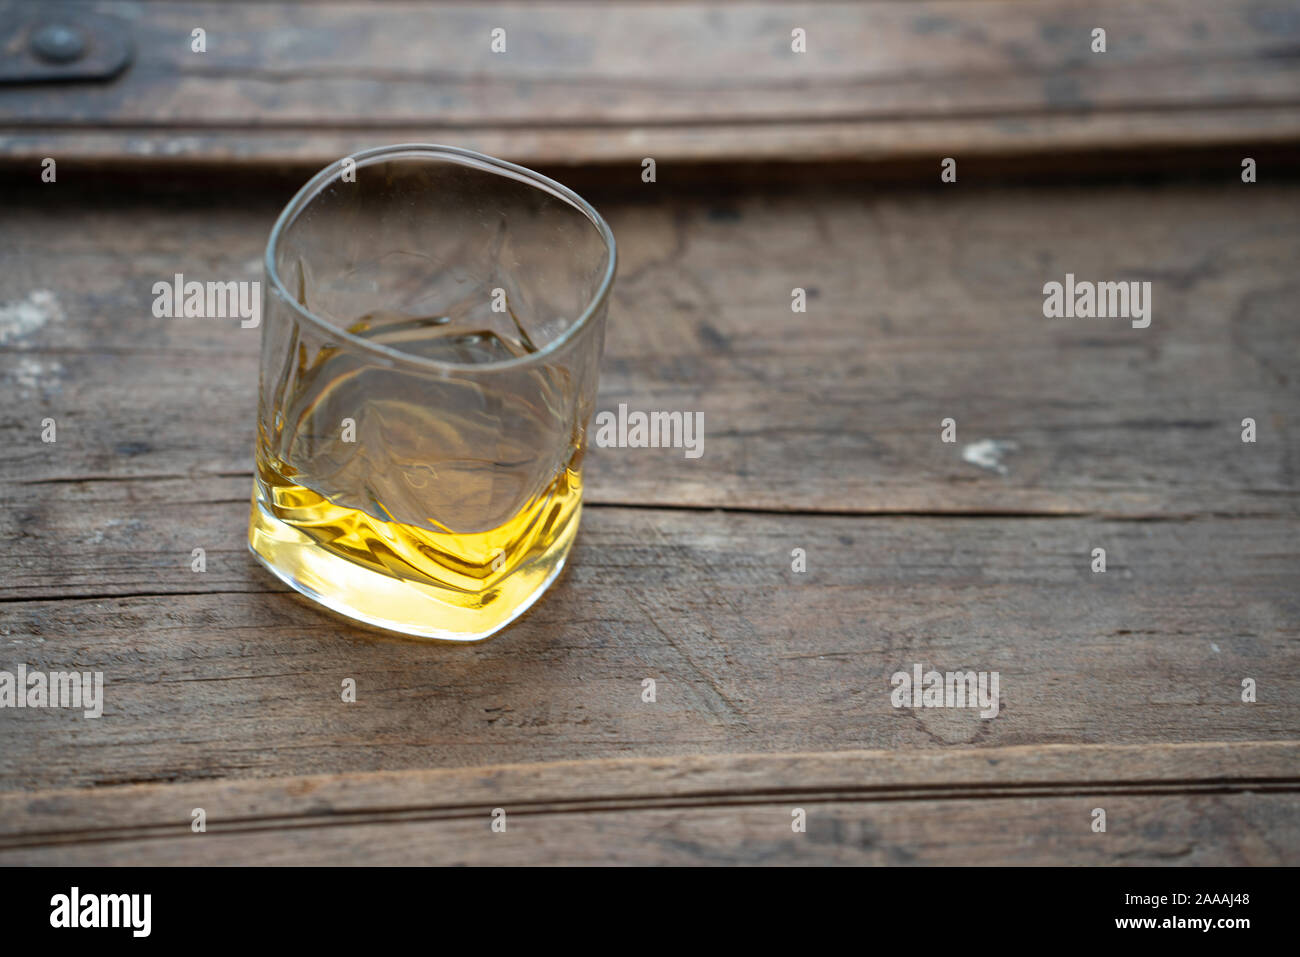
{"x":1120,"y":690}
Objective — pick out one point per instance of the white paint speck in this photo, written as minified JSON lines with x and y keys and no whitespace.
{"x":24,"y":316}
{"x":987,"y":454}
{"x":98,"y":537}
{"x":31,"y":373}
{"x":1215,"y":647}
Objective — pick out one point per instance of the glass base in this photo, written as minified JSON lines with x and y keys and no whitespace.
{"x":406,"y":607}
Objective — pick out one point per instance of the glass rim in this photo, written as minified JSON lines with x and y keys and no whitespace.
{"x":465,"y":157}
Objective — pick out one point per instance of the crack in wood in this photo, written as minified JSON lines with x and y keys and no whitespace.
{"x":715,"y":800}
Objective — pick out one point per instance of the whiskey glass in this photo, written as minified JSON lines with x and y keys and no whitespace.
{"x":432,"y":326}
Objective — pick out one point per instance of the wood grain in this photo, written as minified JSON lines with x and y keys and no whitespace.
{"x":1190,"y":804}
{"x":615,"y":83}
{"x":224,"y":674}
{"x":1121,"y":690}
{"x":923,"y":304}
{"x":822,"y":434}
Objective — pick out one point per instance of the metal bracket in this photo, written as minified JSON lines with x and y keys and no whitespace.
{"x":54,"y":48}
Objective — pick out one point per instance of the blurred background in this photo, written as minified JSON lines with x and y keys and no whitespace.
{"x":583,"y":84}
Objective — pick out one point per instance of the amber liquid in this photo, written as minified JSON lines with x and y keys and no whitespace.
{"x":452,"y":506}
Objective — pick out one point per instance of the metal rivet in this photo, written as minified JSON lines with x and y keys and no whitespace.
{"x":58,"y":43}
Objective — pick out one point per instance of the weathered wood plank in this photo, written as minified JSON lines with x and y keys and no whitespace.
{"x":1046,"y":141}
{"x":223,"y":674}
{"x":680,"y":80}
{"x":1191,"y":830}
{"x":1193,"y":804}
{"x":923,"y":305}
